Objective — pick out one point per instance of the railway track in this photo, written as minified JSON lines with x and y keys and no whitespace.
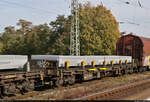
{"x":39,"y":93}
{"x":56,"y":93}
{"x":45,"y":92}
{"x":118,"y":92}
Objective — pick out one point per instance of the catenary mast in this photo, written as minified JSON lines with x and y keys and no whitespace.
{"x":74,"y":34}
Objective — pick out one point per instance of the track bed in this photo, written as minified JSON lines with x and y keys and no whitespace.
{"x":79,"y":90}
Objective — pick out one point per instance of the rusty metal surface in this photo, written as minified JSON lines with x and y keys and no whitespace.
{"x":131,"y":45}
{"x":146,"y":43}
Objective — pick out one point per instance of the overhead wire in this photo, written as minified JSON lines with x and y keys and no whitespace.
{"x":127,"y":2}
{"x":131,"y":4}
{"x":27,"y":6}
{"x":139,"y":4}
{"x":6,"y":3}
{"x":125,"y":20}
{"x":142,"y":7}
{"x":132,"y":21}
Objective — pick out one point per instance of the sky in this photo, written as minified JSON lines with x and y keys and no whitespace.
{"x":135,"y":14}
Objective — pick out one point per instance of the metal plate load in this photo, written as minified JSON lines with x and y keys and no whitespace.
{"x":12,"y":61}
{"x":77,"y":60}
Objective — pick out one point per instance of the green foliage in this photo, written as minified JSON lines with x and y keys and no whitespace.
{"x":99,"y":30}
{"x":27,"y":40}
{"x":37,"y":40}
{"x":61,"y":36}
{"x":1,"y":47}
{"x":98,"y":34}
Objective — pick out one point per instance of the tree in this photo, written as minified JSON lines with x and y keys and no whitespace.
{"x":59,"y":29}
{"x":99,"y":32}
{"x":1,"y":47}
{"x":28,"y":39}
{"x":25,"y":26}
{"x":99,"y":28}
{"x":37,"y":41}
{"x":10,"y":30}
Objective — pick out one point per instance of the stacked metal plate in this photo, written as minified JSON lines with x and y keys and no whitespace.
{"x":76,"y":60}
{"x":12,"y":61}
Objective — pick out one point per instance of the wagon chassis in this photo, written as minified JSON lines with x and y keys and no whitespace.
{"x":21,"y":82}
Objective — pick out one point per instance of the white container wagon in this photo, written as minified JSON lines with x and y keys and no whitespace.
{"x":12,"y":61}
{"x":76,"y":60}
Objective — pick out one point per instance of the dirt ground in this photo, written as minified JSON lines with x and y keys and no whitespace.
{"x":144,"y":95}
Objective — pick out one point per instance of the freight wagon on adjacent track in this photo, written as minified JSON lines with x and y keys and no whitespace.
{"x":135,"y":46}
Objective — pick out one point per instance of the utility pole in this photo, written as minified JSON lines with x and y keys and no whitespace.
{"x":74,"y":34}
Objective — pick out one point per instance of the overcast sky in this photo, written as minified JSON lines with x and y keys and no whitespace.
{"x":136,"y":19}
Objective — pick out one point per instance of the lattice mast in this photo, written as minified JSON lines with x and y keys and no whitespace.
{"x":74,"y":34}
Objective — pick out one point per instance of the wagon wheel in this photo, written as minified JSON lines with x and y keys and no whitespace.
{"x":30,"y":85}
{"x":12,"y":88}
{"x":25,"y":86}
{"x":8,"y":89}
{"x":56,"y":83}
{"x":72,"y":81}
{"x":131,"y":71}
{"x":102,"y":74}
{"x":1,"y":92}
{"x":123,"y":72}
{"x":140,"y":69}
